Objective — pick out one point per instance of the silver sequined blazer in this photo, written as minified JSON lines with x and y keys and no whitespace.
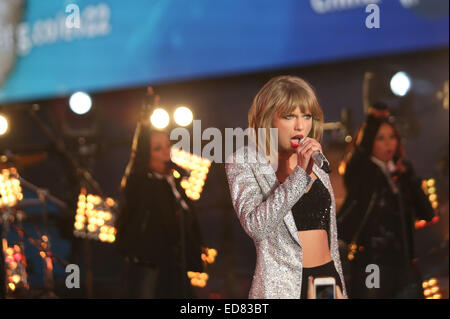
{"x":263,"y":206}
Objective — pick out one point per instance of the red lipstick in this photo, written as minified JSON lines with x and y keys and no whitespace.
{"x":295,"y":141}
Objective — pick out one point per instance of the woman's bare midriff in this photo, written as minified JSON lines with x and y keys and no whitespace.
{"x":316,"y":250}
{"x":315,"y":246}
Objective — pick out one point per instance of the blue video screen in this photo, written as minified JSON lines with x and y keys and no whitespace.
{"x":53,"y":48}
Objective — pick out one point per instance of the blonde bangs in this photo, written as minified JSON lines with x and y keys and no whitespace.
{"x":296,"y":98}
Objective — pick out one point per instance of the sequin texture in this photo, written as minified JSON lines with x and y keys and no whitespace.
{"x":312,"y":211}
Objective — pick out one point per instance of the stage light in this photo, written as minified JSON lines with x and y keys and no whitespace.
{"x":432,"y":282}
{"x":341,"y":168}
{"x":429,"y":188}
{"x":3,"y":125}
{"x":10,"y":189}
{"x":420,"y":224}
{"x":183,"y":116}
{"x":159,"y":118}
{"x":95,"y":217}
{"x":80,"y":103}
{"x":176,"y":174}
{"x":400,"y":84}
{"x":198,"y":279}
{"x":208,"y":255}
{"x":434,"y":290}
{"x":431,"y":289}
{"x":198,"y":168}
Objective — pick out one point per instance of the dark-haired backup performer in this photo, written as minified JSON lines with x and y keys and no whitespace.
{"x":154,"y":215}
{"x":289,"y":213}
{"x":384,"y":197}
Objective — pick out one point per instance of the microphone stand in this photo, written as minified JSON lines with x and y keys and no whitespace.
{"x":181,"y":219}
{"x":83,"y":174}
{"x":407,"y":257}
{"x":84,"y":177}
{"x":183,"y":250}
{"x":404,"y":226}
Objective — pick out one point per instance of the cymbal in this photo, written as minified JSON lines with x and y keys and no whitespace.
{"x":20,"y":161}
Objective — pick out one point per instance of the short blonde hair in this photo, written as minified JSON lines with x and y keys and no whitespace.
{"x":282,"y":95}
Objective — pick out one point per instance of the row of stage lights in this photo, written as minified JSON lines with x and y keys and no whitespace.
{"x":429,"y":188}
{"x":81,"y":103}
{"x":431,"y":289}
{"x":10,"y":189}
{"x":95,"y":218}
{"x":198,"y":168}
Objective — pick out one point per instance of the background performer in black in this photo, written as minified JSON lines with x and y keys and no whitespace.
{"x":157,"y":221}
{"x":384,"y":197}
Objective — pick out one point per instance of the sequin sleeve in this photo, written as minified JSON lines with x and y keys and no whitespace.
{"x":259,"y":216}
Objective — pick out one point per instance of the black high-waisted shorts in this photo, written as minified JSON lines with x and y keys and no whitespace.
{"x":325,"y":270}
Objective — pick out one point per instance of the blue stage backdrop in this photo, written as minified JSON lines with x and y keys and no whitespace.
{"x":121,"y":44}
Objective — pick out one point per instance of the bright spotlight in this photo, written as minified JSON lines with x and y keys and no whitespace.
{"x":3,"y":125}
{"x":80,"y":103}
{"x":159,"y":118}
{"x":183,"y":116}
{"x":400,"y":84}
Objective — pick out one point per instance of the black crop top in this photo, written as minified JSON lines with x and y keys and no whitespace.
{"x":312,"y":211}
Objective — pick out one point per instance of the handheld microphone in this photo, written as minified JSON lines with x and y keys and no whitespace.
{"x":319,"y":159}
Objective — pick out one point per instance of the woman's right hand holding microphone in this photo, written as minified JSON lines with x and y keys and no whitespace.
{"x":306,"y":147}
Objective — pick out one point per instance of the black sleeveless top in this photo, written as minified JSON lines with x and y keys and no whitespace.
{"x":312,"y":211}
